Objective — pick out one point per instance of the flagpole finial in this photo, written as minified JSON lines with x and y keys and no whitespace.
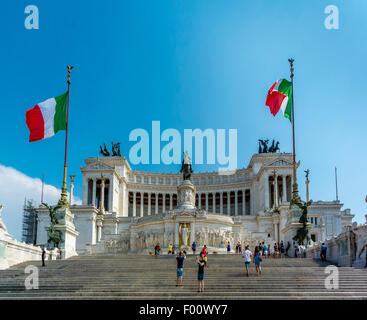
{"x":69,"y":71}
{"x":292,"y":69}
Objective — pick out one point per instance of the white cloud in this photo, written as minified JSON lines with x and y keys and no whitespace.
{"x":14,"y":187}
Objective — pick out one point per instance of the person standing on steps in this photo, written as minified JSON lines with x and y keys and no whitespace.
{"x":180,"y":260}
{"x":257,"y":260}
{"x":202,"y":263}
{"x":193,"y":247}
{"x":204,"y":251}
{"x":157,"y":249}
{"x":247,"y":257}
{"x":170,"y":249}
{"x":265,"y":255}
{"x":323,"y":252}
{"x":43,"y":256}
{"x":364,"y":248}
{"x":228,"y":248}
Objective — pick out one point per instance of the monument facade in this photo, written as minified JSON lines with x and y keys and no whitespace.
{"x":124,"y":210}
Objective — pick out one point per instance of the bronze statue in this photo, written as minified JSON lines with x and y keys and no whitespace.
{"x":116,"y":149}
{"x":302,"y":233}
{"x":54,"y":235}
{"x":263,"y":146}
{"x":186,"y":167}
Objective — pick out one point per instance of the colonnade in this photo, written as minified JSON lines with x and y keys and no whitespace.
{"x":232,"y":202}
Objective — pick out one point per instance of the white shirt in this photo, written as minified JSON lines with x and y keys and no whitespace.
{"x":247,"y":255}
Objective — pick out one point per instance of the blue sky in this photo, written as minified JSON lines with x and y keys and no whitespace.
{"x":189,"y":64}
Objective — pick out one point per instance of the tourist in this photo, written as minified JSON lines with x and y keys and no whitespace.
{"x":282,"y":249}
{"x":263,"y":248}
{"x":247,"y":257}
{"x":202,"y":264}
{"x":363,"y":248}
{"x":170,"y":249}
{"x":257,"y":260}
{"x":265,"y":251}
{"x":228,"y":248}
{"x":157,"y":250}
{"x":323,"y":252}
{"x":300,"y":251}
{"x":193,"y":247}
{"x":180,"y":260}
{"x":204,"y":251}
{"x":275,"y":250}
{"x":43,"y":256}
{"x":269,"y":251}
{"x":239,"y":247}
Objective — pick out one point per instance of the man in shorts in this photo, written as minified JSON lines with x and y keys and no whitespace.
{"x":247,"y":257}
{"x":180,"y":260}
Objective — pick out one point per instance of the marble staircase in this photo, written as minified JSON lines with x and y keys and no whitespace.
{"x":144,"y":277}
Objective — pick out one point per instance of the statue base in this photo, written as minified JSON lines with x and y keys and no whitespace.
{"x":186,"y":193}
{"x":68,"y":233}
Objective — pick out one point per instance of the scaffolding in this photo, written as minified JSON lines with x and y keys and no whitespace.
{"x":29,"y":222}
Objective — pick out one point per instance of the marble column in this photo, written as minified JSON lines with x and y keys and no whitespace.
{"x":102,"y":196}
{"x":276,"y":232}
{"x":276,"y":191}
{"x":192,"y":237}
{"x":284,"y":198}
{"x":99,"y":230}
{"x":228,"y":203}
{"x":199,"y":200}
{"x":156,"y":203}
{"x":214,"y":204}
{"x":236,"y":202}
{"x":221,"y":202}
{"x":243,"y":202}
{"x":171,"y":200}
{"x":207,"y":201}
{"x":71,"y":194}
{"x":177,"y":241}
{"x":164,"y":203}
{"x":134,"y":204}
{"x":266,"y":193}
{"x":149,"y":203}
{"x":94,"y":191}
{"x":142,"y":204}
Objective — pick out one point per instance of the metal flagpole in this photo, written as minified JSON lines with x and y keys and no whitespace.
{"x":64,"y":192}
{"x":295,"y":196}
{"x":336,"y":184}
{"x":43,"y":183}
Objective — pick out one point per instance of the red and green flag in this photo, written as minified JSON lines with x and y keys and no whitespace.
{"x":47,"y":118}
{"x":280,"y":97}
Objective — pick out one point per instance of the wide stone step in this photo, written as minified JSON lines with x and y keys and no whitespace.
{"x":144,"y":277}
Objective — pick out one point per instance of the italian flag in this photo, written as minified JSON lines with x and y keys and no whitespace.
{"x":280,"y":97}
{"x":47,"y":117}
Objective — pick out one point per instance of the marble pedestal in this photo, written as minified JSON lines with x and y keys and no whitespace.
{"x":68,"y":232}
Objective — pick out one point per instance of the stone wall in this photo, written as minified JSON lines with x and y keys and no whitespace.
{"x":347,"y":249}
{"x":13,"y":252}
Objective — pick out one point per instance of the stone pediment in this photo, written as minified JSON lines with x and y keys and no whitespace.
{"x":97,"y":166}
{"x":279,"y":163}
